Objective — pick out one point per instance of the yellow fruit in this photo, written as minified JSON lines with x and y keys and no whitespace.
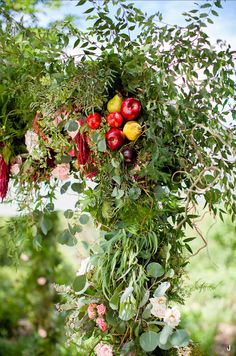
{"x":132,"y":130}
{"x":114,"y":104}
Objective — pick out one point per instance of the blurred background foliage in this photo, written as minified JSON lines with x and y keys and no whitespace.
{"x":31,"y":325}
{"x":29,"y":321}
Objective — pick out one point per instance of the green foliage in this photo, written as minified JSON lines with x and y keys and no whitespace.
{"x":215,"y":265}
{"x":186,"y":90}
{"x":27,"y":298}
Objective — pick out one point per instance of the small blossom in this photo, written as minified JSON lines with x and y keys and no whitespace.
{"x":15,"y":169}
{"x":71,"y":152}
{"x":172,"y":317}
{"x":41,"y":281}
{"x":60,"y":115}
{"x":62,"y":171}
{"x":24,"y":257}
{"x":91,"y":311}
{"x":158,"y":306}
{"x":103,"y":350}
{"x":31,"y":141}
{"x":101,"y":309}
{"x":85,"y":267}
{"x":101,"y":324}
{"x":42,"y":332}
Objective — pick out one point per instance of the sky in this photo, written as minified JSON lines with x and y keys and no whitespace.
{"x":224,"y":28}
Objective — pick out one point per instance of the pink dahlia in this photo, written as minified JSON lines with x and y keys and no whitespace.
{"x":91,"y":311}
{"x":101,"y":324}
{"x":101,"y":309}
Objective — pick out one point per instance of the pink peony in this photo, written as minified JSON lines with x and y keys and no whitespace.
{"x":101,"y":324}
{"x":101,"y":309}
{"x":103,"y":350}
{"x":62,"y":171}
{"x":91,"y":311}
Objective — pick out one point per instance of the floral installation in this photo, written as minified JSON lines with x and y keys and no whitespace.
{"x":137,"y":139}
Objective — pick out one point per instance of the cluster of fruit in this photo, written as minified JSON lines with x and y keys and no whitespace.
{"x":121,"y":113}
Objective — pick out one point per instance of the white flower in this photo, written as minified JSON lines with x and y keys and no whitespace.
{"x":158,"y":306}
{"x":62,"y":171}
{"x":31,"y":141}
{"x":172,"y":317}
{"x":85,"y":267}
{"x":103,"y":350}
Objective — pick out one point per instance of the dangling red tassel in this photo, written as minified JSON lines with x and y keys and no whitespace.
{"x":4,"y":177}
{"x":84,"y":157}
{"x":82,"y":147}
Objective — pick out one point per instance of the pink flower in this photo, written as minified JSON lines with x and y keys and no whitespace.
{"x":101,"y":324}
{"x":62,"y":171}
{"x":71,"y":152}
{"x":103,"y":350}
{"x":92,"y":314}
{"x":42,"y":332}
{"x":41,"y":281}
{"x":91,"y":311}
{"x":15,"y":169}
{"x":31,"y":141}
{"x":24,"y":257}
{"x":15,"y":165}
{"x":101,"y":309}
{"x":60,"y":115}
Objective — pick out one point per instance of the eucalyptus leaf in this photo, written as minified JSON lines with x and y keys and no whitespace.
{"x":102,"y":145}
{"x":84,"y":219}
{"x":180,"y":338}
{"x":155,"y":270}
{"x":77,"y":187}
{"x":165,"y":334}
{"x":149,"y":341}
{"x":161,"y":289}
{"x":79,"y":283}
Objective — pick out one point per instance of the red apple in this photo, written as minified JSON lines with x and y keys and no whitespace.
{"x":114,"y":119}
{"x":94,"y":120}
{"x":129,"y":154}
{"x":115,"y":138}
{"x":130,"y":109}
